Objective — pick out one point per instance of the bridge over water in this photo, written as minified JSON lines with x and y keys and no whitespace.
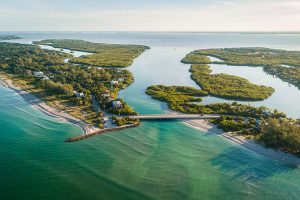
{"x":144,"y":117}
{"x":174,"y":116}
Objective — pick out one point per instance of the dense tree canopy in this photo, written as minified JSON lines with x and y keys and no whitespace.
{"x":228,"y":86}
{"x":175,"y":94}
{"x":252,"y":56}
{"x":104,"y":55}
{"x":287,"y":74}
{"x":273,"y":61}
{"x":281,"y":134}
{"x":184,"y":99}
{"x":66,"y":81}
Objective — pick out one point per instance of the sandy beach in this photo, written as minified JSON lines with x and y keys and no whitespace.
{"x":205,"y":125}
{"x":50,"y":111}
{"x":281,"y":156}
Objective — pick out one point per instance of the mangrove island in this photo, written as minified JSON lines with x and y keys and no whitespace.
{"x":280,"y":63}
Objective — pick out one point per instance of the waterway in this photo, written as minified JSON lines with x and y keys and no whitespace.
{"x":158,"y":160}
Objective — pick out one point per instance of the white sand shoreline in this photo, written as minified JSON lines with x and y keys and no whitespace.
{"x":50,"y":111}
{"x":204,"y":125}
{"x":286,"y":158}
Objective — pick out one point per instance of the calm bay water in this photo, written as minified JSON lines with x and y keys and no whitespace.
{"x":158,"y":160}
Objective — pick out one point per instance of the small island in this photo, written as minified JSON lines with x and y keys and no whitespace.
{"x":219,"y":85}
{"x":228,"y":86}
{"x":104,"y":55}
{"x":281,"y":63}
{"x":9,"y":37}
{"x":176,"y":94}
{"x":187,"y":99}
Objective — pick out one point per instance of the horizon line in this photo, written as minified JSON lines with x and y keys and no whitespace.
{"x":119,"y":31}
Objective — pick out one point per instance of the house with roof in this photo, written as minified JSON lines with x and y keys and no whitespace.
{"x":120,"y":79}
{"x":117,"y":104}
{"x":114,"y":82}
{"x":38,"y":74}
{"x":45,"y":78}
{"x":79,"y":94}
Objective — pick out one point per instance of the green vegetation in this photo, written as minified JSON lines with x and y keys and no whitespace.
{"x":57,"y":88}
{"x":175,"y":94}
{"x":255,"y":56}
{"x":121,"y":121}
{"x":104,"y":55}
{"x":63,"y":85}
{"x":270,"y":127}
{"x":278,"y":133}
{"x":221,"y":85}
{"x":9,"y":37}
{"x":271,"y":60}
{"x":233,"y":124}
{"x":20,"y":56}
{"x":196,"y":59}
{"x":125,"y":109}
{"x":236,"y":109}
{"x":228,"y":86}
{"x":281,"y":134}
{"x":287,"y":74}
{"x":186,"y":100}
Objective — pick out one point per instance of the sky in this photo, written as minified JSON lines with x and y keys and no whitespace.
{"x":150,"y":15}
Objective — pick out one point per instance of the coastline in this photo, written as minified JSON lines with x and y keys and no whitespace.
{"x":202,"y":125}
{"x":206,"y":126}
{"x":46,"y":109}
{"x":286,"y":158}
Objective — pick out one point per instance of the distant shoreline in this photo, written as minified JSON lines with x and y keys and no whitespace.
{"x":120,"y":31}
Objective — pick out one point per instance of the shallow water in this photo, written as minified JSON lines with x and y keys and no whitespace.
{"x":158,"y":160}
{"x":73,"y":53}
{"x":285,"y":98}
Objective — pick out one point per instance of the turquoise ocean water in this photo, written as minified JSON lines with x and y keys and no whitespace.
{"x":158,"y":160}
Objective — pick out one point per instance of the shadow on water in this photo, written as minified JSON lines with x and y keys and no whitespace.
{"x":241,"y":164}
